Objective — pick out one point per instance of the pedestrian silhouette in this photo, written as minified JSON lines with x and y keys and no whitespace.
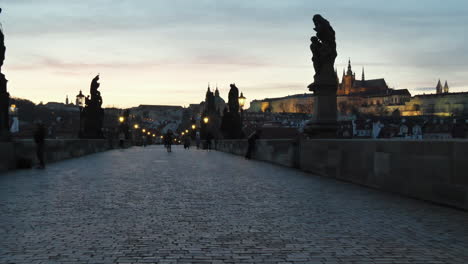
{"x":251,"y":142}
{"x":168,"y":140}
{"x":39,"y":139}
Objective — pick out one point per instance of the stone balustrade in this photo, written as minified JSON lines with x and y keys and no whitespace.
{"x":432,"y":170}
{"x":22,"y":153}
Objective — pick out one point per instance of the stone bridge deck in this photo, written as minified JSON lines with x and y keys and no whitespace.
{"x":143,"y":205}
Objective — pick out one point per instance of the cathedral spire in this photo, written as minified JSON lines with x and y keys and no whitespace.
{"x":350,"y":71}
{"x":363,"y":75}
{"x":209,"y":88}
{"x":446,"y":87}
{"x":217,"y":91}
{"x":439,"y":87}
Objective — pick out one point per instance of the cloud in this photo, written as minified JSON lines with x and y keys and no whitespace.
{"x":261,"y":43}
{"x":70,"y":66}
{"x":424,"y":89}
{"x":57,"y":64}
{"x":289,"y":86}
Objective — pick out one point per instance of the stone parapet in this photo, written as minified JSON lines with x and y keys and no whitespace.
{"x":431,"y":170}
{"x":22,"y":153}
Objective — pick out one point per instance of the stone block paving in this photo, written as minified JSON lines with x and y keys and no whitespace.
{"x":143,"y":205}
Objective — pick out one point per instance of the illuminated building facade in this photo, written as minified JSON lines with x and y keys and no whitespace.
{"x":373,"y":97}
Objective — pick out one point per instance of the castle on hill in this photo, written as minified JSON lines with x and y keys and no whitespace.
{"x":373,"y":97}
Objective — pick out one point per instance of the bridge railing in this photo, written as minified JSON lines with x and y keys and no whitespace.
{"x":432,"y":170}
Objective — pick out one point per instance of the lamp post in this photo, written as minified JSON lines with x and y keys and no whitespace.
{"x":242,"y":100}
{"x":80,"y":102}
{"x":14,"y":128}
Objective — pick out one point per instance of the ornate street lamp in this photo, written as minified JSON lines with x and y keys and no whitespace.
{"x":14,"y":116}
{"x":242,"y":100}
{"x":80,"y":102}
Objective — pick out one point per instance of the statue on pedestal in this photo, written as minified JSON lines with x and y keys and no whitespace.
{"x":325,"y":85}
{"x":233,"y":121}
{"x":323,"y":47}
{"x":93,"y":115}
{"x":4,"y":96}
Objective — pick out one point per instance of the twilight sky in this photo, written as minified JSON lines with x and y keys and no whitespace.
{"x":165,"y":52}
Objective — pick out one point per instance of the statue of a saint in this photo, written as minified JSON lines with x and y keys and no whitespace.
{"x":324,"y":53}
{"x":4,"y":96}
{"x":2,"y":45}
{"x":93,"y":114}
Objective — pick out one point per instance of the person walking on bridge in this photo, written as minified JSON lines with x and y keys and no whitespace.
{"x":39,"y":139}
{"x":251,"y":142}
{"x":168,"y":138}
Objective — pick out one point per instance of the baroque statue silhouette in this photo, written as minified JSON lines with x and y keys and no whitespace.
{"x":323,"y":46}
{"x":92,"y":115}
{"x":4,"y":95}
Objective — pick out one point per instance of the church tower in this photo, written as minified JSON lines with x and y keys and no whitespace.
{"x":446,"y":87}
{"x":347,"y":81}
{"x":439,"y":88}
{"x":216,"y":91}
{"x":66,"y":101}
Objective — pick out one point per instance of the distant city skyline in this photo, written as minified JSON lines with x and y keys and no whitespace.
{"x":161,"y":52}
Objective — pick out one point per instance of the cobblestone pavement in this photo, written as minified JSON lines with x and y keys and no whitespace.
{"x":143,"y":205}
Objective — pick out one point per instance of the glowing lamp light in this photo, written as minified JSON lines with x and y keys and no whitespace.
{"x":154,"y":135}
{"x":121,"y":119}
{"x":206,"y":120}
{"x":183,"y":133}
{"x":242,"y":100}
{"x":143,"y":130}
{"x":149,"y":133}
{"x":136,"y":126}
{"x":162,"y":137}
{"x":186,"y":131}
{"x":193,"y":127}
{"x":80,"y":100}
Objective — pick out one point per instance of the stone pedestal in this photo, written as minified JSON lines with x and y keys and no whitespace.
{"x":4,"y":105}
{"x":324,"y":121}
